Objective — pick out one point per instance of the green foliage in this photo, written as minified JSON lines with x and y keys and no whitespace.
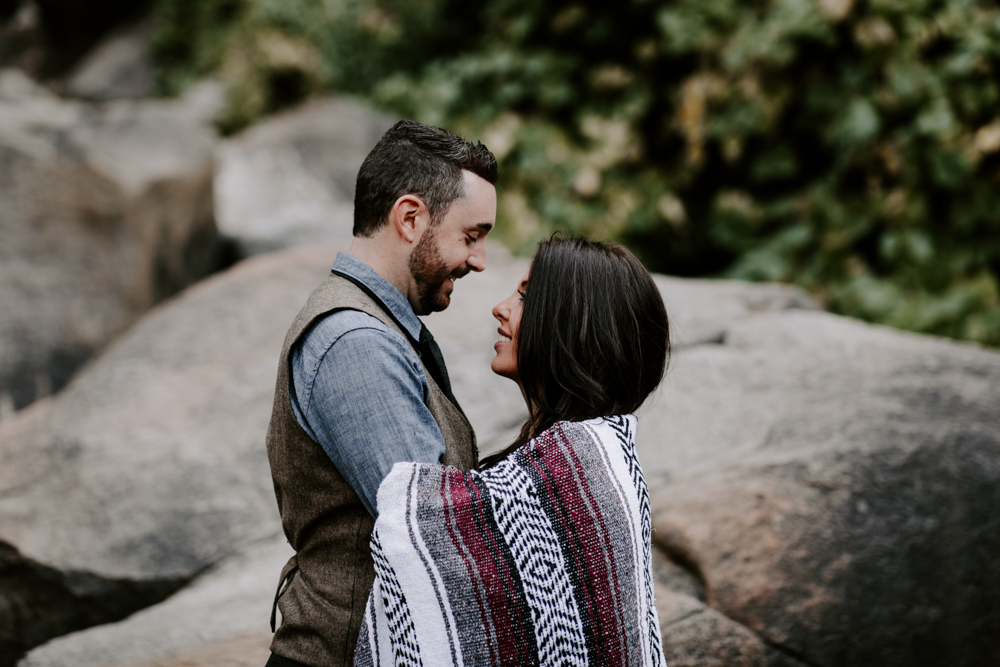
{"x":851,"y":147}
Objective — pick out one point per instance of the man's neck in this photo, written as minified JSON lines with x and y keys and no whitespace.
{"x":387,"y":260}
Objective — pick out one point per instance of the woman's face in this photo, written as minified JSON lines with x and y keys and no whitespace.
{"x":508,"y":313}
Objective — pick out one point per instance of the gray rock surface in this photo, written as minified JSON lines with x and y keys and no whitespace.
{"x":182,"y":403}
{"x":106,"y":211}
{"x":119,"y":67}
{"x":695,"y":634}
{"x":250,"y":650}
{"x":230,"y":602}
{"x":38,"y":602}
{"x":150,"y":466}
{"x":290,"y":179}
{"x":834,"y":485}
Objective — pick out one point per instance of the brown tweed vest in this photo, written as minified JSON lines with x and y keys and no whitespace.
{"x":324,"y":587}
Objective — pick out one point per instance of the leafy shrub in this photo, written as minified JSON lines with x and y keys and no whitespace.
{"x":849,"y":146}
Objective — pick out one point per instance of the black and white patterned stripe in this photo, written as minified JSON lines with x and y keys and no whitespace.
{"x":622,"y":426}
{"x":403,"y":636}
{"x":534,"y":545}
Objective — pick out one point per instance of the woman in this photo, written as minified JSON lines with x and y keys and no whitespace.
{"x":542,"y":557}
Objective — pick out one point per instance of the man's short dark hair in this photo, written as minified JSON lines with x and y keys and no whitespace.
{"x":422,"y":160}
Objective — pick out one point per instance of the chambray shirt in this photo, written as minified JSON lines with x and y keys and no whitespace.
{"x":360,"y":391}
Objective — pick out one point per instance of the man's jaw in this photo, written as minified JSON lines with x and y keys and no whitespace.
{"x":437,"y":298}
{"x":445,"y":289}
{"x":448,"y":284}
{"x":443,"y":299}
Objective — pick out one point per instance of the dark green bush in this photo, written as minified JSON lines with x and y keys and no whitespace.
{"x":849,"y":147}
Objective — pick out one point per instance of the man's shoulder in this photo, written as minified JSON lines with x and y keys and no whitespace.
{"x":339,"y":322}
{"x":353,"y":324}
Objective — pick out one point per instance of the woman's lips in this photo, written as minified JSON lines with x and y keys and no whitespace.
{"x":502,"y":339}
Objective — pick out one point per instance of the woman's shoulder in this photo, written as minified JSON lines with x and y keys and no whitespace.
{"x":613,"y":435}
{"x":613,"y":428}
{"x":617,"y":431}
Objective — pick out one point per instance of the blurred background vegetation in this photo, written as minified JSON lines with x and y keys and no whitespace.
{"x":851,"y":147}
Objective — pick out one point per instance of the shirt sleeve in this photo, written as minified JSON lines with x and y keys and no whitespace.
{"x":365,"y":404}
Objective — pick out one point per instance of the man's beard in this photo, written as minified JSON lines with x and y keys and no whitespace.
{"x":429,"y":272}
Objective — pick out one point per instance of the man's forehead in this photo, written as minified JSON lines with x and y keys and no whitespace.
{"x":475,"y":182}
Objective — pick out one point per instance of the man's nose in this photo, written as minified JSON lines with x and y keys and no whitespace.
{"x":477,"y":260}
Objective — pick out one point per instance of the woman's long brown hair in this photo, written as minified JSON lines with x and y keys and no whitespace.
{"x":593,"y":340}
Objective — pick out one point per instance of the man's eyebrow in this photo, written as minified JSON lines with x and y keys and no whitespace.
{"x":484,"y":227}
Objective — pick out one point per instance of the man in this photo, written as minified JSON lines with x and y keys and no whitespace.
{"x":361,"y":383}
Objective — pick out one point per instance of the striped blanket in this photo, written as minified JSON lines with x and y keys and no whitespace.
{"x":543,"y":559}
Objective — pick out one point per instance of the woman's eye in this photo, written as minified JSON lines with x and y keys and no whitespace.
{"x":522,"y":294}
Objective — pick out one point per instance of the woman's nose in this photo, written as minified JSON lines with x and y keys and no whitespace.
{"x":498,"y":313}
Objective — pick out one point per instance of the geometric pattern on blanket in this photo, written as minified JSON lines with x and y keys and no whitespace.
{"x":543,"y":559}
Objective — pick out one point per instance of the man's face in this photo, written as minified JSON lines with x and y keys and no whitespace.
{"x":453,"y":247}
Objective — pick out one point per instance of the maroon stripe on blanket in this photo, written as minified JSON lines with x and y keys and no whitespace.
{"x":505,"y":592}
{"x":483,"y":585}
{"x":588,"y":547}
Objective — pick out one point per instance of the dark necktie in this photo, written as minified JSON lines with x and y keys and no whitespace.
{"x":430,"y":353}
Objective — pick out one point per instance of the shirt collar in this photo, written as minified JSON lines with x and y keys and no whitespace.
{"x":391,"y":298}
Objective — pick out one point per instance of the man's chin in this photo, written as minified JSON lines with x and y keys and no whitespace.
{"x":436,"y":301}
{"x":442,"y":301}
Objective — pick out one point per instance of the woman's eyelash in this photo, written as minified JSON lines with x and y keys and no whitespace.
{"x":521,"y":293}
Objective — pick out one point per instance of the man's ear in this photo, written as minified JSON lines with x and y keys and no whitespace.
{"x":409,"y":216}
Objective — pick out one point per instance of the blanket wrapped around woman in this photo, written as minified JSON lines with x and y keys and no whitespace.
{"x":543,"y":559}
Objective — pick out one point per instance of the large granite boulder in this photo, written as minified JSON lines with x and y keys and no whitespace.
{"x":290,"y":179}
{"x":106,"y":211}
{"x":181,"y":405}
{"x":832,"y":488}
{"x":150,"y":466}
{"x":220,"y":619}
